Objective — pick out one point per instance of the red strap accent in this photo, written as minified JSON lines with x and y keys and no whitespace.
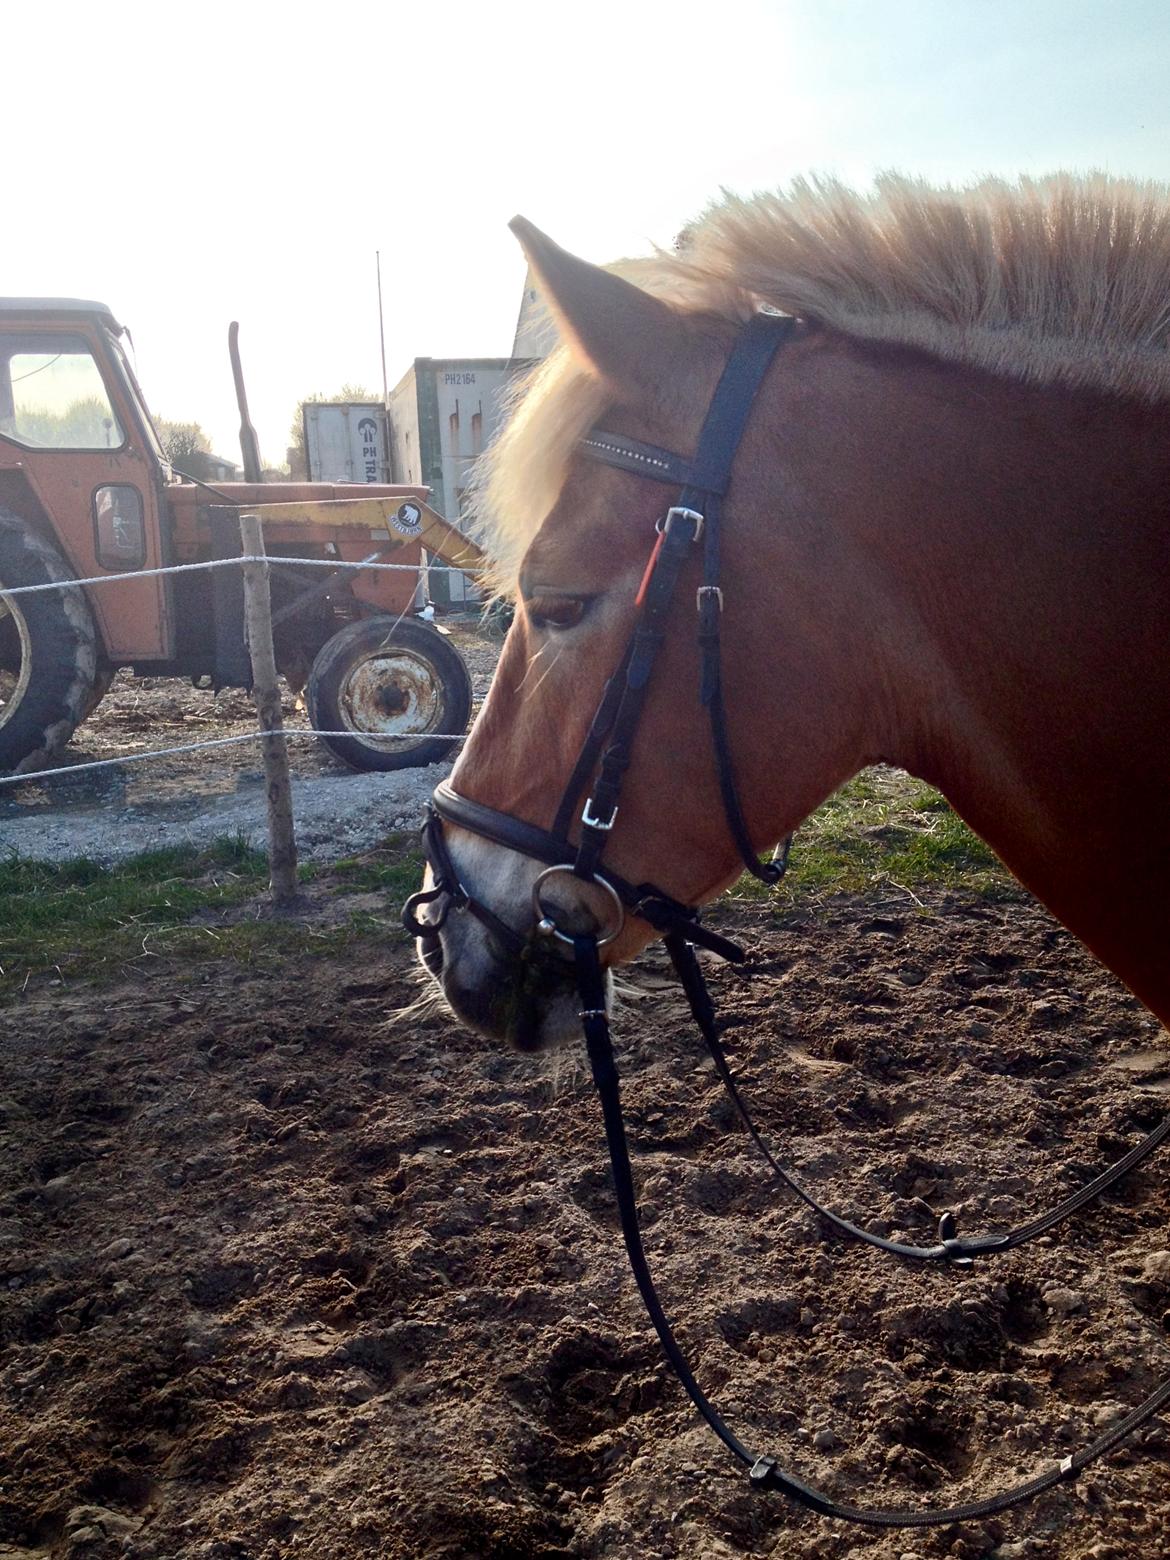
{"x":646,"y":578}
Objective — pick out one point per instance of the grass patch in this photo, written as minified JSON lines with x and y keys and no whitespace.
{"x":78,"y":914}
{"x":77,"y":918}
{"x":884,"y":828}
{"x":398,"y":875}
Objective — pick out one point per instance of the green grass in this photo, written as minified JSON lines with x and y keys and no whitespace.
{"x":75,"y":919}
{"x":396,"y":870}
{"x":884,"y":828}
{"x":66,"y":920}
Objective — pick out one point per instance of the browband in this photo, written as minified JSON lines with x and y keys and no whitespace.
{"x":647,"y":460}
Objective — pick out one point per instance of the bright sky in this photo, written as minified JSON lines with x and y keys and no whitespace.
{"x":194,"y":164}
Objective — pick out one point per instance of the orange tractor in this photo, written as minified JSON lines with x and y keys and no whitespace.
{"x":87,"y":492}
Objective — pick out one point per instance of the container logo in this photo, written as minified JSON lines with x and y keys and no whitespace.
{"x":408,"y":519}
{"x":368,"y":440}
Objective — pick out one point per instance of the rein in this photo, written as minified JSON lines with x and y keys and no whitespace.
{"x":604,"y":759}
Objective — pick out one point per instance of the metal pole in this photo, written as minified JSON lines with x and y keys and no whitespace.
{"x":282,"y":843}
{"x":382,"y":330}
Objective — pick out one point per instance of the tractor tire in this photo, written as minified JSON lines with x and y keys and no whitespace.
{"x":386,"y":682}
{"x":48,"y":651}
{"x":103,"y":678}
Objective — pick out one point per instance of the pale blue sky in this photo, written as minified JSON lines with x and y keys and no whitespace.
{"x":190,"y":165}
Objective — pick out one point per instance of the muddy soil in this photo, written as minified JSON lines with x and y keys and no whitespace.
{"x":278,"y":1278}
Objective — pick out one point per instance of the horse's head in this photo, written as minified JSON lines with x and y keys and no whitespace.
{"x":647,"y":370}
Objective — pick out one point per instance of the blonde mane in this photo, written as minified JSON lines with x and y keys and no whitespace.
{"x":1062,"y":280}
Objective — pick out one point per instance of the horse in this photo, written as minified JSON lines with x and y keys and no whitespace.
{"x":946,"y":547}
{"x":924,"y":519}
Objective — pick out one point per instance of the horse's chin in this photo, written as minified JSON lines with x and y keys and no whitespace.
{"x":531,"y":1006}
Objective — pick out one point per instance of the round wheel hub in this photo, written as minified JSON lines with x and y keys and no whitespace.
{"x":391,"y":693}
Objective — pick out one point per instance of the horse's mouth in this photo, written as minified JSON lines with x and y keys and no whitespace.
{"x":531,"y":1003}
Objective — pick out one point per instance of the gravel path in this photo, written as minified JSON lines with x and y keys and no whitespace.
{"x":113,"y":813}
{"x":336,"y":815}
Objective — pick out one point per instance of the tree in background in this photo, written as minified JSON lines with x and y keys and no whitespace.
{"x":86,"y":424}
{"x":187,"y":447}
{"x":297,"y":463}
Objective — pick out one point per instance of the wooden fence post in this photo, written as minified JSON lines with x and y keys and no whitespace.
{"x":282,"y":843}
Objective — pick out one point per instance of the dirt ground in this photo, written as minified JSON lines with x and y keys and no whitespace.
{"x":280,"y":1278}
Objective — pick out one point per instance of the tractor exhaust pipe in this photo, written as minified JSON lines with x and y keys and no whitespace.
{"x":249,"y":446}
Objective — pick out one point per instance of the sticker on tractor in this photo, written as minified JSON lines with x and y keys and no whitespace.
{"x":408,"y":520}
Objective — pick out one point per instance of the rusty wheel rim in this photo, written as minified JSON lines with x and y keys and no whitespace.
{"x":13,"y":682}
{"x":391,"y":694}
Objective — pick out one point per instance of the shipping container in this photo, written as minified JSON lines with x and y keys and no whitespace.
{"x":346,"y":441}
{"x":443,"y":413}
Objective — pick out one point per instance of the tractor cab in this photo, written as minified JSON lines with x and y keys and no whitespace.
{"x":57,"y":358}
{"x":80,"y":460}
{"x":87,"y":493}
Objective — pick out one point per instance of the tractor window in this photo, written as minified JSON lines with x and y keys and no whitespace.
{"x":52,"y":395}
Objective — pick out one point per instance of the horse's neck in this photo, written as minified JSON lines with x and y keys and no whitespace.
{"x":1042,"y":591}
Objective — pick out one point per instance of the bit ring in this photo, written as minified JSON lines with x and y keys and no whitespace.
{"x":547,"y":927}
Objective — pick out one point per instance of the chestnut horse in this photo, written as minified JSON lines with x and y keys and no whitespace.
{"x":946,"y":548}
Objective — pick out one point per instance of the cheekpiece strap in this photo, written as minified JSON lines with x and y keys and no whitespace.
{"x":703,"y":481}
{"x":731,"y":406}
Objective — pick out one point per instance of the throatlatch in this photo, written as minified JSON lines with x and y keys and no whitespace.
{"x":604,"y":759}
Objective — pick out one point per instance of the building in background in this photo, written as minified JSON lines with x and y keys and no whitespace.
{"x":442,"y":414}
{"x":536,"y":335}
{"x":214,"y":468}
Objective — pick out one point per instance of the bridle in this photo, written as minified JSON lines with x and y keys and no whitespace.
{"x":695,"y":521}
{"x":606,"y":751}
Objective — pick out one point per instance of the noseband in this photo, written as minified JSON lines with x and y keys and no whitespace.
{"x":604,"y":759}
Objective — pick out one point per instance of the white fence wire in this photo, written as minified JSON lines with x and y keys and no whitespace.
{"x":273,"y":560}
{"x":68,"y":771}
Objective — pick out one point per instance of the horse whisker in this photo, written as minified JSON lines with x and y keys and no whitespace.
{"x":548,"y":669}
{"x":532,"y":660}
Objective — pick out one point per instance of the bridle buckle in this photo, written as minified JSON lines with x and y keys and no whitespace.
{"x":708,"y":593}
{"x":682,"y":515}
{"x":591,"y":821}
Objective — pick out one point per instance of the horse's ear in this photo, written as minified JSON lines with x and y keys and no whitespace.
{"x":602,"y":317}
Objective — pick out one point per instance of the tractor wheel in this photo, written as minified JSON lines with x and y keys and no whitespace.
{"x":48,"y":651}
{"x":388,"y":682}
{"x":103,"y":678}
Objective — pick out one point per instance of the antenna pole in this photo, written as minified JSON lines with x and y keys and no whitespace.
{"x":381,"y":329}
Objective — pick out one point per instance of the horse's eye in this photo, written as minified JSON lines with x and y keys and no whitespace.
{"x":557,"y":611}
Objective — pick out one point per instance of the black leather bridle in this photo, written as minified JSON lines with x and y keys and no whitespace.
{"x":605,"y":756}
